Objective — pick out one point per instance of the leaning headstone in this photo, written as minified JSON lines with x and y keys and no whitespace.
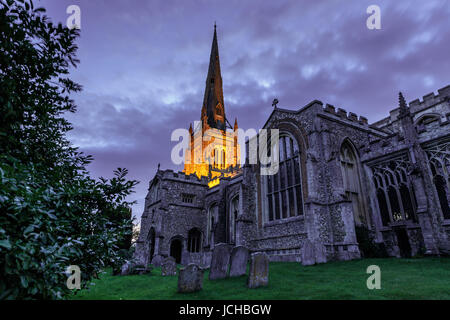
{"x":220,"y":261}
{"x":190,"y":279}
{"x":259,"y":271}
{"x":169,"y":267}
{"x":156,"y":260}
{"x":126,"y":268}
{"x":308,"y":255}
{"x":239,"y":259}
{"x":320,"y":252}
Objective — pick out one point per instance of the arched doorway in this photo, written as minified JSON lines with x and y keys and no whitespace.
{"x":176,"y":248}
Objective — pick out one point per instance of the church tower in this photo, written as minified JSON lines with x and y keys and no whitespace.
{"x":214,"y":151}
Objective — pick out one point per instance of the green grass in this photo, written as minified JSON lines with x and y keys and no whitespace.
{"x":424,"y":278}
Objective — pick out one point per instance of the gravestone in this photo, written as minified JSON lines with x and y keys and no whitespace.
{"x":156,"y":260}
{"x":239,"y":259}
{"x":190,"y":279}
{"x":320,"y":252}
{"x":308,"y":254}
{"x":126,"y":268}
{"x":169,"y":267}
{"x":259,"y":271}
{"x":220,"y":261}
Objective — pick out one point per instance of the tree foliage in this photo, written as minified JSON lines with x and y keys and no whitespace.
{"x":52,"y":213}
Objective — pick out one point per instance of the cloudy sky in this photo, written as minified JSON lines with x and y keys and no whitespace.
{"x":144,"y":63}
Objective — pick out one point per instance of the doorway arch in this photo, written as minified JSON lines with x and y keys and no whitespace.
{"x":176,"y":248}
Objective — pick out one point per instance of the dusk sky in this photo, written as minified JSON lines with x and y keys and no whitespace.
{"x":144,"y":65}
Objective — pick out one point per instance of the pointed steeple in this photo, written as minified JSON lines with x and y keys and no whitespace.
{"x":213,"y":110}
{"x":235,"y":124}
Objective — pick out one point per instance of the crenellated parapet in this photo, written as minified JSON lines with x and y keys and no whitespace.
{"x":181,"y":176}
{"x":430,"y":99}
{"x":344,"y":115}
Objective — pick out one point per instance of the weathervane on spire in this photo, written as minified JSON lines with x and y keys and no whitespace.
{"x":274,"y":103}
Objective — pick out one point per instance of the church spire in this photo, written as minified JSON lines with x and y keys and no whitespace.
{"x":213,"y":110}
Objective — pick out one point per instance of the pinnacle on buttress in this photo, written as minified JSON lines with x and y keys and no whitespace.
{"x":235,"y":124}
{"x":404,"y":109}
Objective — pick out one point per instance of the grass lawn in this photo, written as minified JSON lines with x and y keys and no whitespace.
{"x":421,"y":278}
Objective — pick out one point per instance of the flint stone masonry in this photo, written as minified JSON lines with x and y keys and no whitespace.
{"x":220,"y":261}
{"x":308,"y":253}
{"x":169,"y":267}
{"x":190,"y":279}
{"x":259,"y":270}
{"x":239,"y":260}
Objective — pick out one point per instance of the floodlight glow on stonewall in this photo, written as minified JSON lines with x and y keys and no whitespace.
{"x":215,"y":154}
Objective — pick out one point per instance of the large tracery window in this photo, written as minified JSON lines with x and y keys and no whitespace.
{"x":395,"y":193}
{"x":439,"y":156}
{"x":284,"y":191}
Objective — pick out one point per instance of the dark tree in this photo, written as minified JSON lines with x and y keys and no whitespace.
{"x":52,"y":214}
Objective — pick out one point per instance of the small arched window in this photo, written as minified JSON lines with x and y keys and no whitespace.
{"x":213,"y":213}
{"x":154,"y":193}
{"x":194,"y":240}
{"x":234,"y":212}
{"x":284,"y":190}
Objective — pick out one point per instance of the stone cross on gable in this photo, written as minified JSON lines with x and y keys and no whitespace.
{"x":274,"y":103}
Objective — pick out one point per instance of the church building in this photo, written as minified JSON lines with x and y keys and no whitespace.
{"x":340,"y":182}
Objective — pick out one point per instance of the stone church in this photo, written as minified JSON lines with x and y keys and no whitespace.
{"x":336,"y":174}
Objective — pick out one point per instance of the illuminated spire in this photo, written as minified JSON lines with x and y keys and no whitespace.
{"x":213,"y":110}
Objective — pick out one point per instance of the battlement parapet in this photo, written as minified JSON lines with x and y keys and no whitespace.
{"x":342,"y":113}
{"x":430,"y":99}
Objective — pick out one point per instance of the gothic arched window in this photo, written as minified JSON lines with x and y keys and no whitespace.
{"x":352,"y":185}
{"x":395,"y":193}
{"x":234,"y":212}
{"x":284,"y":190}
{"x":194,"y":240}
{"x":441,"y":188}
{"x":384,"y":210}
{"x":439,"y":156}
{"x":213,"y":213}
{"x":154,"y":193}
